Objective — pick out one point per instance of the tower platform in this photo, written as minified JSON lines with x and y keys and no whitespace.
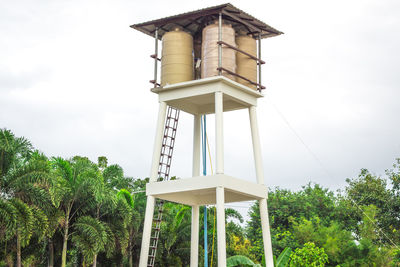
{"x":198,"y":96}
{"x":201,"y":190}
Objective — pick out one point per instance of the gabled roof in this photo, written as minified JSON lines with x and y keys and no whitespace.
{"x":194,"y":21}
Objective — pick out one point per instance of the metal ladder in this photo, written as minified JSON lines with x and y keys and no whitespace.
{"x":167,"y":149}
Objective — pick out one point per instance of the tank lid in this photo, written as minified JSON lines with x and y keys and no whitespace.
{"x":194,"y":21}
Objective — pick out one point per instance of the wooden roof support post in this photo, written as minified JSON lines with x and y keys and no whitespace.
{"x":155,"y":56}
{"x":220,"y":44}
{"x":259,"y":56}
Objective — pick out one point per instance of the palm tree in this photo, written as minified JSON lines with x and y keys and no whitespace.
{"x":90,"y":237}
{"x":20,"y":221}
{"x":23,"y":187}
{"x":132,"y":218}
{"x":175,"y":235}
{"x":23,"y":171}
{"x":13,"y":153}
{"x":75,"y":179}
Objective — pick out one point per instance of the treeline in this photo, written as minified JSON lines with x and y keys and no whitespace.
{"x":74,"y":212}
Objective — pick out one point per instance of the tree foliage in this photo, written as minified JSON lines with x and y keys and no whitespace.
{"x":308,"y":255}
{"x":76,"y":212}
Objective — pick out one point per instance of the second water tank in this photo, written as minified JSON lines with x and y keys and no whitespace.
{"x":209,"y":51}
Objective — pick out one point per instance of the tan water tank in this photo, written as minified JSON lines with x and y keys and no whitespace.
{"x":209,"y":51}
{"x":177,"y":57}
{"x":246,"y":66}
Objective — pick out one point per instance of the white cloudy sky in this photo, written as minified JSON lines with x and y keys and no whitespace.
{"x":74,"y":80}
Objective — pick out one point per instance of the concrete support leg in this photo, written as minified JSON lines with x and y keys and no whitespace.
{"x":196,"y":145}
{"x":194,"y":245}
{"x":148,"y":219}
{"x":219,"y":134}
{"x":221,"y":241}
{"x":260,"y":179}
{"x":256,"y":145}
{"x":158,"y":141}
{"x":269,"y":258}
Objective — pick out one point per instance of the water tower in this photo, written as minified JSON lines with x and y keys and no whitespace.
{"x":210,"y":64}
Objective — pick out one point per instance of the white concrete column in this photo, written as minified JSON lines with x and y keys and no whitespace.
{"x":148,"y":221}
{"x":194,"y":246}
{"x":256,"y":145}
{"x":158,"y":141}
{"x":219,"y":133}
{"x":221,"y":241}
{"x":260,"y":179}
{"x":196,"y":145}
{"x":269,"y":258}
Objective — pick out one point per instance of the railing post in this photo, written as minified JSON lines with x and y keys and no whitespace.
{"x":155,"y":56}
{"x":220,"y":44}
{"x":259,"y":63}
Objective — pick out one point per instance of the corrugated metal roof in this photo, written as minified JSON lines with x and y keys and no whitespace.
{"x":195,"y":21}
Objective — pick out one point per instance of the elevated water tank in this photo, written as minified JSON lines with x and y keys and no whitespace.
{"x":246,"y":66}
{"x":177,"y":57}
{"x":209,"y":51}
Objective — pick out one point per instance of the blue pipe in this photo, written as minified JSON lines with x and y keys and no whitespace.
{"x":204,"y":145}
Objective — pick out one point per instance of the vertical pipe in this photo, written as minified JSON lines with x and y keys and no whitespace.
{"x":194,"y":246}
{"x":220,"y":45}
{"x":155,"y":56}
{"x":148,"y":221}
{"x":219,"y":134}
{"x":256,"y":145}
{"x":204,"y":140}
{"x":221,"y":242}
{"x":269,"y":258}
{"x":259,"y":63}
{"x":158,"y":142}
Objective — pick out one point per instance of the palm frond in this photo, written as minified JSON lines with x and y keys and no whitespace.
{"x":25,"y":220}
{"x":8,"y":219}
{"x":126,"y":195}
{"x":40,"y":224}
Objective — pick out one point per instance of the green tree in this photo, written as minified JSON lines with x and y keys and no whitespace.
{"x":286,"y":207}
{"x":75,"y":181}
{"x":394,"y":176}
{"x":132,"y":223}
{"x":368,"y":189}
{"x":309,"y":255}
{"x":175,"y":235}
{"x":90,"y":236}
{"x":239,"y":260}
{"x":23,"y":187}
{"x":19,"y":221}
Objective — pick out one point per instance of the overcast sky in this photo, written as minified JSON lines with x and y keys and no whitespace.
{"x":74,"y":81}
